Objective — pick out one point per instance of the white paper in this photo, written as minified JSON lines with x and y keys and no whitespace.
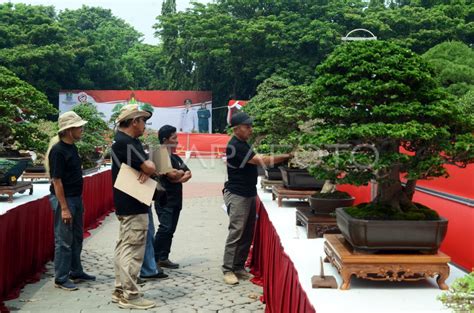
{"x":127,"y":181}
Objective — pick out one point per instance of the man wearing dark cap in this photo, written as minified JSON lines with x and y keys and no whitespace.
{"x":240,"y":193}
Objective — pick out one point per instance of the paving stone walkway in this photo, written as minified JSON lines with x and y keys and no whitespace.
{"x":197,"y":286}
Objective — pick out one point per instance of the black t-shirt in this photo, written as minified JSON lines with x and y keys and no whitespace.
{"x":174,"y":191}
{"x":128,"y":150}
{"x":65,"y":163}
{"x":242,"y":176}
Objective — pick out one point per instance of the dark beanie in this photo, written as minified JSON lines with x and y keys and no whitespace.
{"x":165,"y":132}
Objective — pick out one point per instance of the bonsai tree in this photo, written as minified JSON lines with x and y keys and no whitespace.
{"x":382,"y":116}
{"x":96,"y":135}
{"x":275,"y":108}
{"x":22,"y":112}
{"x":460,"y":296}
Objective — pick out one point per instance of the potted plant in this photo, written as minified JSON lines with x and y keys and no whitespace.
{"x":275,"y":108}
{"x":382,"y":117}
{"x":95,"y":139}
{"x":22,"y":111}
{"x":460,"y":296}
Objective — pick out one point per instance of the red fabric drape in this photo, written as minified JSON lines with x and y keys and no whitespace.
{"x":273,"y":269}
{"x":27,"y":234}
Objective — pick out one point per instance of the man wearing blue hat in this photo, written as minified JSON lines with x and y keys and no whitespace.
{"x":240,"y":193}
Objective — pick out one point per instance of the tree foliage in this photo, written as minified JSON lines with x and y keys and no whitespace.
{"x":96,"y":134}
{"x":22,"y":109}
{"x":453,"y":62}
{"x":374,"y":97}
{"x":277,"y":109}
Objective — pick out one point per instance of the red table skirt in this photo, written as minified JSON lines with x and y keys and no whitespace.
{"x":27,"y":234}
{"x":274,"y":270}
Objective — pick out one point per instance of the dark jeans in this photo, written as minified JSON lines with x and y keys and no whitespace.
{"x":67,"y":239}
{"x":168,"y":217}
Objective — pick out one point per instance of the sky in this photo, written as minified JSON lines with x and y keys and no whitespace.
{"x":140,"y":14}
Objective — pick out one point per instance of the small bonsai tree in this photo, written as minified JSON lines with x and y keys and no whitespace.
{"x":277,"y":108}
{"x":22,"y":111}
{"x":96,"y":135}
{"x":374,"y":99}
{"x":460,"y":296}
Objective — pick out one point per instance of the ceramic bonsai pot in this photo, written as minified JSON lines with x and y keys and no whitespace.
{"x":10,"y":173}
{"x":327,"y":206}
{"x":387,"y":235}
{"x":260,"y":170}
{"x":273,"y":173}
{"x":35,"y":169}
{"x":295,"y":178}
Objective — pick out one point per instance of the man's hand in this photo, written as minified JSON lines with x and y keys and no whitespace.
{"x":187,"y":176}
{"x":143,"y":177}
{"x":66,"y":216}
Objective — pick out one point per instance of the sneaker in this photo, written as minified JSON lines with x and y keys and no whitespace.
{"x":117,"y":295}
{"x":159,"y":275}
{"x":167,"y":263}
{"x":243,"y":274}
{"x":81,"y":277}
{"x":137,"y":303}
{"x":67,"y":285}
{"x":230,"y":278}
{"x":140,"y":282}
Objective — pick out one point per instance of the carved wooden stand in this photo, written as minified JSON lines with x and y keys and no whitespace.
{"x":267,"y":183}
{"x":33,"y":176}
{"x":19,"y":187}
{"x":392,"y":267}
{"x":316,"y":224}
{"x":280,"y":192}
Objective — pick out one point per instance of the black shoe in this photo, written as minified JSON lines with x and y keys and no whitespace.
{"x":159,"y":275}
{"x":167,"y":263}
{"x":82,"y":277}
{"x":140,"y":282}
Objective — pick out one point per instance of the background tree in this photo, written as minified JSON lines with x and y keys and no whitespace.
{"x":378,"y":96}
{"x":278,"y":109}
{"x":453,"y":62}
{"x":22,"y":110}
{"x":96,"y":137}
{"x":32,"y":45}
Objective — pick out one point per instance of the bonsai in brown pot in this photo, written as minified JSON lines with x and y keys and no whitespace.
{"x":375,"y":99}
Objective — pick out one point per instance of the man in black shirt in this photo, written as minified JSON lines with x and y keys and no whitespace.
{"x":131,"y":213}
{"x":168,"y":212}
{"x":240,"y":194}
{"x":65,"y":169}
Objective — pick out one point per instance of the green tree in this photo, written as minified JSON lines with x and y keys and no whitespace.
{"x":22,"y":109}
{"x":32,"y":45}
{"x":275,"y":108}
{"x":453,"y":62}
{"x":95,"y":137}
{"x":372,"y":98}
{"x":99,"y":40}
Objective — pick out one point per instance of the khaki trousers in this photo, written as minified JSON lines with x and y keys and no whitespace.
{"x":129,"y":253}
{"x":242,"y":214}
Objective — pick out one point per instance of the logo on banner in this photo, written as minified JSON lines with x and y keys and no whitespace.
{"x":82,"y":97}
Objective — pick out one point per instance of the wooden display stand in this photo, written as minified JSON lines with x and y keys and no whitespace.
{"x":316,"y":224}
{"x":280,"y":192}
{"x":266,"y":183}
{"x":20,"y":187}
{"x":391,"y":267}
{"x":32,"y":176}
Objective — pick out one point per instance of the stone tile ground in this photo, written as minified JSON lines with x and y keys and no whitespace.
{"x":196,"y":286}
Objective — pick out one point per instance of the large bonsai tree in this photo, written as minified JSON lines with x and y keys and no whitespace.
{"x":22,"y":111}
{"x":384,"y":118}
